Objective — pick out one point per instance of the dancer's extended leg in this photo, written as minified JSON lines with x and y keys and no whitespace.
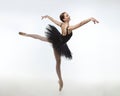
{"x":58,"y":69}
{"x":57,"y":56}
{"x":35,"y":36}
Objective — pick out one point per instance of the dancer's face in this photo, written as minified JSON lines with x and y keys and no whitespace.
{"x":66,"y":17}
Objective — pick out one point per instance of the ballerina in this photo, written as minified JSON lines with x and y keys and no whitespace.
{"x":59,"y":40}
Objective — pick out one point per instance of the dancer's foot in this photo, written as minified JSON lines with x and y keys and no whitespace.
{"x":60,"y":85}
{"x":22,"y":33}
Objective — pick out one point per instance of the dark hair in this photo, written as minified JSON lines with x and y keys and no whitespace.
{"x":62,"y":16}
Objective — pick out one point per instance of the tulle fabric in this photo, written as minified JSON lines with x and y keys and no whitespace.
{"x":58,"y":41}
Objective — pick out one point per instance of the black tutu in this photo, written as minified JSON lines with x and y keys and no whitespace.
{"x":59,"y":42}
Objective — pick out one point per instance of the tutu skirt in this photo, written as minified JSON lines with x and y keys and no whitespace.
{"x":58,"y":41}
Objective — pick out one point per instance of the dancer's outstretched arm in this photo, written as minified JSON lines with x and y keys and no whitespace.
{"x":35,"y":36}
{"x":52,"y":19}
{"x":83,"y":23}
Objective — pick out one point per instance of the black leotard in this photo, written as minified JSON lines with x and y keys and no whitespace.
{"x":59,"y":42}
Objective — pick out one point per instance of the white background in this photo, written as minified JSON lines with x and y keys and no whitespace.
{"x":27,"y":66}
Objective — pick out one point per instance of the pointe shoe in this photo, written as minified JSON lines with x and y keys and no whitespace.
{"x":22,"y":33}
{"x":60,"y":85}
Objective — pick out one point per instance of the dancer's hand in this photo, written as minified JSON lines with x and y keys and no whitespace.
{"x":94,"y":20}
{"x":44,"y":17}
